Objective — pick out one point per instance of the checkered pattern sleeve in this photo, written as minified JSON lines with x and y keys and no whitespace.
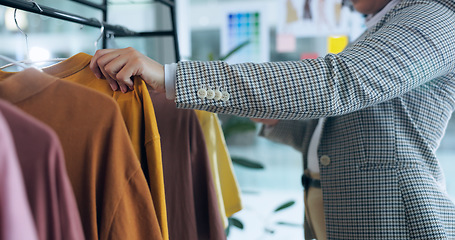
{"x":411,"y":45}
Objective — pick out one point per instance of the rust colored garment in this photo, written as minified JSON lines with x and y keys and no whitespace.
{"x":109,"y":185}
{"x":46,"y":182}
{"x":139,"y":116}
{"x":191,"y":200}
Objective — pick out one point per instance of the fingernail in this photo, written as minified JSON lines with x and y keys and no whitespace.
{"x":114,"y":87}
{"x":97,"y":75}
{"x":124,"y":90}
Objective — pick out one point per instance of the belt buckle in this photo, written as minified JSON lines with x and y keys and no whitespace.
{"x":310,"y":182}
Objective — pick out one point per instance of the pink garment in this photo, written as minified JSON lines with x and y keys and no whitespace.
{"x":46,"y":181}
{"x":16,"y":221}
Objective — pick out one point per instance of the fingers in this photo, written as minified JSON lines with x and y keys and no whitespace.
{"x":110,"y":77}
{"x":126,"y":71}
{"x":118,"y":66}
{"x":114,"y":84}
{"x":97,"y":67}
{"x":94,"y":62}
{"x":108,"y":63}
{"x":111,"y":70}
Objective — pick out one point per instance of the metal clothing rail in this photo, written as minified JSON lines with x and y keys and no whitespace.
{"x":172,"y":33}
{"x":169,"y":3}
{"x":102,"y":7}
{"x":51,"y":12}
{"x":117,"y":30}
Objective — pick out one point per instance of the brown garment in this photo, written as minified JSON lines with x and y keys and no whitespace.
{"x":48,"y":188}
{"x":107,"y":179}
{"x":192,"y":205}
{"x":139,"y":117}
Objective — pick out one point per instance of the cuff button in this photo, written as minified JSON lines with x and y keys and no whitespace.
{"x":210,"y":94}
{"x":202,"y":93}
{"x":225,"y":96}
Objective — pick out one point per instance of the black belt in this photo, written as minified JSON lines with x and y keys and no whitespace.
{"x":310,"y":182}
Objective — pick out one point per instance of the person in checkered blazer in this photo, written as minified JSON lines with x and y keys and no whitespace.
{"x":385,"y":100}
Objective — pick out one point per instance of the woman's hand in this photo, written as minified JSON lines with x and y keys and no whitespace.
{"x":118,"y":66}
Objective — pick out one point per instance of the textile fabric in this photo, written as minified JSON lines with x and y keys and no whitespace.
{"x":139,"y":117}
{"x":16,"y":220}
{"x":228,"y":191}
{"x":314,"y":225}
{"x":110,"y":188}
{"x":190,"y":193}
{"x":387,"y":99}
{"x":46,"y":181}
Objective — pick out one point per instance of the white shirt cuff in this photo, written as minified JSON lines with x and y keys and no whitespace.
{"x":169,"y":80}
{"x":267,"y":129}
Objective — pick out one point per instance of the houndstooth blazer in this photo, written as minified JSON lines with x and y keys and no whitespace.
{"x":387,"y":99}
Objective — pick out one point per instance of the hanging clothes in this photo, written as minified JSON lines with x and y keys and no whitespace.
{"x":192,"y":204}
{"x":110,"y":188}
{"x":226,"y":185}
{"x":46,"y":182}
{"x":16,"y":221}
{"x":139,"y":117}
{"x":307,"y":10}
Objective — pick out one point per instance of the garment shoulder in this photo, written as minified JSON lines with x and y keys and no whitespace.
{"x":446,"y":3}
{"x":83,"y":92}
{"x":89,"y":99}
{"x":24,"y":125}
{"x":418,"y":12}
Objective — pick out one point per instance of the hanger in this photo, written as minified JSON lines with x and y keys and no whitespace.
{"x":12,"y":62}
{"x":101,"y":34}
{"x":111,"y":40}
{"x":27,"y":62}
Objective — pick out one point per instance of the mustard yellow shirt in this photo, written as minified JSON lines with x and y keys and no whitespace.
{"x":139,"y":116}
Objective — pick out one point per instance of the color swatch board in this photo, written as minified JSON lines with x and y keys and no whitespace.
{"x":239,"y":28}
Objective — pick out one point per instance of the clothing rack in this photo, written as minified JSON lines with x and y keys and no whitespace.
{"x":117,"y":30}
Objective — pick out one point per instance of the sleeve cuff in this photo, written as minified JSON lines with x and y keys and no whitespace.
{"x":266,"y":129}
{"x":169,"y":80}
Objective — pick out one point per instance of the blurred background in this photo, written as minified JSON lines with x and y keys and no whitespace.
{"x":231,"y":30}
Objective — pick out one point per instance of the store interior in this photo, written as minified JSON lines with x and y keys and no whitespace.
{"x":268,"y":173}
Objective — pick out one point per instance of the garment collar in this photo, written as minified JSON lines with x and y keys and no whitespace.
{"x":372,"y":19}
{"x":18,"y":86}
{"x":69,"y":66}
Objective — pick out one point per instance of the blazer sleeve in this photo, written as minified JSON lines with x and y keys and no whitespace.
{"x":410,"y":46}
